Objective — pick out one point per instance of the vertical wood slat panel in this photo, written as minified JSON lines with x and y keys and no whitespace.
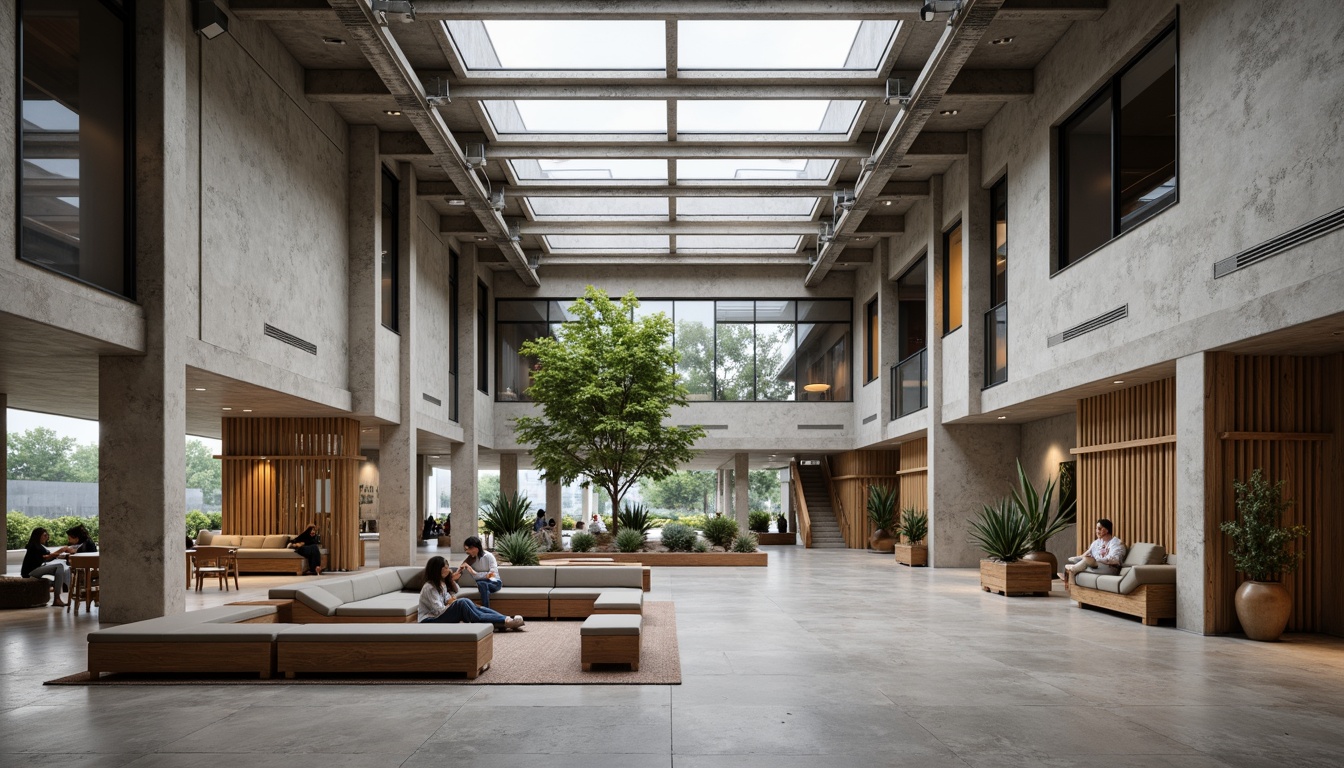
{"x":856,"y":471}
{"x":1133,"y":487}
{"x":914,"y":468}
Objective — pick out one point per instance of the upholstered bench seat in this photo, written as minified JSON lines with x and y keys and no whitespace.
{"x":1145,"y":586}
{"x":227,"y":638}
{"x":619,"y":601}
{"x":610,"y":639}
{"x":392,"y":604}
{"x":341,"y":648}
{"x":16,"y":592}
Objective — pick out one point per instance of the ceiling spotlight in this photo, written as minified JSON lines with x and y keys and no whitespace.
{"x":888,"y":202}
{"x":1001,"y":418}
{"x":333,"y":41}
{"x":392,"y":112}
{"x":1001,"y":41}
{"x":948,"y":112}
{"x":226,"y":408}
{"x":199,"y":389}
{"x":482,"y":239}
{"x":1118,"y":381}
{"x":497,"y":200}
{"x":931,"y":10}
{"x":455,"y":201}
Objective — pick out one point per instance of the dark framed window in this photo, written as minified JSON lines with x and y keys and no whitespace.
{"x":482,"y":337}
{"x":454,"y":323}
{"x":872,"y":354}
{"x":1118,"y":153}
{"x":952,"y":279}
{"x":76,"y":150}
{"x":389,"y":248}
{"x":996,"y":319}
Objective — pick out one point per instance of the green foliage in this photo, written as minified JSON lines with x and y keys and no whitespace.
{"x":720,"y":531}
{"x":604,"y":539}
{"x":763,"y":489}
{"x":1002,"y":532}
{"x":518,"y":547}
{"x":507,"y":514}
{"x":678,"y":537}
{"x":882,"y":508}
{"x":606,"y":384}
{"x":40,"y":454}
{"x":196,"y":522}
{"x":1261,"y":546}
{"x":216,"y":520}
{"x":582,"y":542}
{"x":700,"y":546}
{"x":758,"y":520}
{"x":687,"y":490}
{"x":566,"y":523}
{"x":1035,"y":507}
{"x":487,"y":489}
{"x":695,"y":521}
{"x":636,"y":517}
{"x":84,"y":463}
{"x":914,"y":525}
{"x":204,"y":471}
{"x":629,"y":540}
{"x":18,"y":527}
{"x":747,"y":542}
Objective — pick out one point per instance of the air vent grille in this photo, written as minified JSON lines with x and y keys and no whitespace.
{"x":870,"y":419}
{"x":821,"y":426}
{"x":290,"y":339}
{"x":431,"y":399}
{"x":1313,"y":229}
{"x":713,"y":426}
{"x":1088,"y":326}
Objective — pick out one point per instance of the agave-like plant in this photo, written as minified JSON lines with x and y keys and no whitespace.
{"x":635,"y":517}
{"x":882,"y":508}
{"x":507,"y":514}
{"x":914,"y":525}
{"x":1034,"y":506}
{"x":1002,"y":532}
{"x":519,"y":548}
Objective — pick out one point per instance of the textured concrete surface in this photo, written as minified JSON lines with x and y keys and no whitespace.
{"x":914,"y":667}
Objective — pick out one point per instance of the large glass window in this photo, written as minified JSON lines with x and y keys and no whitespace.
{"x":996,"y":320}
{"x":735,"y":350}
{"x":694,"y":339}
{"x":952,"y":279}
{"x":388,"y":258}
{"x":910,"y":386}
{"x":1119,"y":153}
{"x":482,"y":338}
{"x":74,"y":148}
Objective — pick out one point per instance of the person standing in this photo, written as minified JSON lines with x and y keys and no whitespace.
{"x":438,"y":604}
{"x":483,"y":567}
{"x":38,"y":562}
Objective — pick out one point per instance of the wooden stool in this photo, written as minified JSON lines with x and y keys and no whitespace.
{"x":610,"y":638}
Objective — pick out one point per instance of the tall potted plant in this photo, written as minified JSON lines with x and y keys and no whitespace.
{"x":1003,"y":533}
{"x":882,"y":514}
{"x":1041,"y":525}
{"x":914,"y":527}
{"x":1262,"y":550}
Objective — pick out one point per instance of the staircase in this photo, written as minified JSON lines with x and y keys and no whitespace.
{"x":825,"y":531}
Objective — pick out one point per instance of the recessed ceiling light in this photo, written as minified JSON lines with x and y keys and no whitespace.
{"x":247,"y":410}
{"x":392,"y":112}
{"x":948,"y":112}
{"x":482,"y":239}
{"x":226,"y":408}
{"x":1001,"y":41}
{"x":1001,"y":418}
{"x":456,"y":201}
{"x":1118,"y":381}
{"x":199,"y":389}
{"x":333,"y":41}
{"x":905,"y":165}
{"x":887,"y":202}
{"x":433,"y":457}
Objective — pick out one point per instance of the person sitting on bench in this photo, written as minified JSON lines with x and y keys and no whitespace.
{"x":1103,"y":557}
{"x":38,"y":562}
{"x":438,"y":604}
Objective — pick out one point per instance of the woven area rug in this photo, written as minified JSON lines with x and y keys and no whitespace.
{"x":546,"y":652}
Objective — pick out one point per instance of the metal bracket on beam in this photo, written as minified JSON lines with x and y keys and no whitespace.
{"x":437,"y":93}
{"x":897,"y":91}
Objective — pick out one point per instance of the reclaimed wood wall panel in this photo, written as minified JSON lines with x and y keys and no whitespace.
{"x":851,"y":475}
{"x":1127,"y":464}
{"x":282,"y":474}
{"x":1280,"y":414}
{"x":914,"y":471}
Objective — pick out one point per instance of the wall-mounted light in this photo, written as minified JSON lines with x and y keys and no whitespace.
{"x":199,"y":389}
{"x":210,"y":21}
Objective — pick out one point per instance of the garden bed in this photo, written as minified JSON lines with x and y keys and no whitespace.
{"x":777,"y":538}
{"x":666,"y":558}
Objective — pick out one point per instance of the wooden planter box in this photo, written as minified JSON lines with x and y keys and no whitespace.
{"x":766,"y":539}
{"x":912,"y":554}
{"x":1023,"y":577}
{"x":665,"y":558}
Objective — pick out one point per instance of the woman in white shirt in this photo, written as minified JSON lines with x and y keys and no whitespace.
{"x":437,"y":603}
{"x":482,"y":566}
{"x":1103,"y":557}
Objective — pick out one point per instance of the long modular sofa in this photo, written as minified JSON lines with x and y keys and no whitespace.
{"x":1145,"y":586}
{"x":390,"y":595}
{"x":260,"y":554}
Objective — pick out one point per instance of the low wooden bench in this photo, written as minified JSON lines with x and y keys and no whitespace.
{"x":1149,"y":602}
{"x":222,"y":639}
{"x":344,"y":648}
{"x":619,"y":601}
{"x":610,"y":639}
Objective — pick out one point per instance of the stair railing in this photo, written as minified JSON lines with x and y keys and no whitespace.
{"x":800,"y":504}
{"x":840,"y":519}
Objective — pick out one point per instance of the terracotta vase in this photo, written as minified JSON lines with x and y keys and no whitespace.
{"x":881,"y":541}
{"x":1045,"y":557}
{"x":1263,"y":608}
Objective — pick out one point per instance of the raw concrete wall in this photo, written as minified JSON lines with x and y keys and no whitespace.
{"x":434,"y":326}
{"x":1045,"y":444}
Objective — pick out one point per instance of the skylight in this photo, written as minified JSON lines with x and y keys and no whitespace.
{"x":560,"y":116}
{"x":746,"y":208}
{"x":740,"y":169}
{"x":742,"y":243}
{"x":533,"y":45}
{"x":622,"y":243}
{"x":766,"y":116}
{"x":598,"y":208}
{"x":596,"y":168}
{"x":782,"y":44}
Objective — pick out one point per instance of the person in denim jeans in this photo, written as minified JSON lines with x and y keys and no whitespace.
{"x":482,"y":566}
{"x":437,"y":603}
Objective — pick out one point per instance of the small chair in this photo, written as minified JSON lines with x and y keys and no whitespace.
{"x":220,"y":562}
{"x":83,"y":582}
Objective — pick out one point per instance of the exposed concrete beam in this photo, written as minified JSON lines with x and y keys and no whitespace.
{"x":930,"y":146}
{"x":388,"y":60}
{"x":731,"y":227}
{"x":1052,"y":10}
{"x":949,"y":56}
{"x":682,"y":189}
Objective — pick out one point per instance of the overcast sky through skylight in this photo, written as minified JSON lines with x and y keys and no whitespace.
{"x":578,"y":44}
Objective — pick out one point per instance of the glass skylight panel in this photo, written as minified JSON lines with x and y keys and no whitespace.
{"x":616,"y":243}
{"x":765,"y":116}
{"x":737,"y":243}
{"x":595,"y":168}
{"x":746,"y":208}
{"x":578,"y":116}
{"x":747,"y":169}
{"x":598,"y":208}
{"x":562,"y":44}
{"x":783,"y":44}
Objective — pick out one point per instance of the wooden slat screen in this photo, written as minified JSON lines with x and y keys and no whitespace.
{"x":851,"y":474}
{"x":281,"y":474}
{"x":1132,"y":485}
{"x":1284,"y":413}
{"x":914,"y":483}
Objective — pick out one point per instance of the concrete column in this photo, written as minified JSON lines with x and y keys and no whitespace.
{"x":587,"y":503}
{"x":465,"y":460}
{"x":975,"y":270}
{"x":741,"y":487}
{"x":4,"y":472}
{"x":508,"y":474}
{"x":889,"y":336}
{"x":553,"y":502}
{"x":142,"y":400}
{"x":720,"y":490}
{"x":970,"y":465}
{"x":785,"y":505}
{"x":1194,"y":439}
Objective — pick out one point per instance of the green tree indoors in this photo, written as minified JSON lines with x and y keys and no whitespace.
{"x":684,"y":491}
{"x":763,"y":489}
{"x":606,"y":384}
{"x":487,"y":489}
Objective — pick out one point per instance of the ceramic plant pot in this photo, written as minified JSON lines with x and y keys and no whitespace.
{"x":1263,"y":608}
{"x":1045,"y":557}
{"x":881,"y":541}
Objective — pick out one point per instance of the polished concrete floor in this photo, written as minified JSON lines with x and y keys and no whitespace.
{"x":824,"y":658}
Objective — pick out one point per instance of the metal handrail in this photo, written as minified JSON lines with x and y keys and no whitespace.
{"x":995,"y":319}
{"x":918,"y":364}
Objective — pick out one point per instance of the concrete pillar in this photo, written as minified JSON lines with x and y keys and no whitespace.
{"x":720,"y":491}
{"x":741,"y":487}
{"x":142,"y":400}
{"x":465,"y":460}
{"x":785,"y":501}
{"x":970,"y":465}
{"x":587,"y":503}
{"x":553,"y":502}
{"x":1194,"y":440}
{"x":4,"y":472}
{"x":508,"y":474}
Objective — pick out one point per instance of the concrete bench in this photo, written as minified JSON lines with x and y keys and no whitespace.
{"x":343,"y":648}
{"x":610,"y":639}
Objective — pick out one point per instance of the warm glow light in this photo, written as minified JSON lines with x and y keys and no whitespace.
{"x":816,"y":387}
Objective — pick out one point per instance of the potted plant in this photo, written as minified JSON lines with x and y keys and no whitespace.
{"x":1042,"y":526}
{"x":882,"y":514}
{"x":1003,"y":533}
{"x":1262,"y":550}
{"x":913,"y":528}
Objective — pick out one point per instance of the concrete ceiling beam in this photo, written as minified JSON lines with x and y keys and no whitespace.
{"x":430,"y":189}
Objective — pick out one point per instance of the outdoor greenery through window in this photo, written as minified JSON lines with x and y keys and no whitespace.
{"x":738,"y":350}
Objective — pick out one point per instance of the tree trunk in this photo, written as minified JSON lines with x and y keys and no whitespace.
{"x":615,"y":513}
